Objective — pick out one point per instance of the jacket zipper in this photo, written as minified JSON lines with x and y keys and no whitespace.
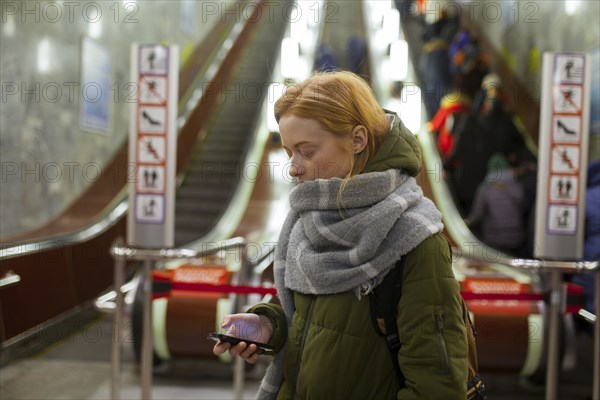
{"x":439,"y":331}
{"x":301,"y":350}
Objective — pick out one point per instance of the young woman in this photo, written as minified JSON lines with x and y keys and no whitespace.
{"x":356,"y":211}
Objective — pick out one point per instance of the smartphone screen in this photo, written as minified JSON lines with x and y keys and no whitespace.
{"x":234,"y":340}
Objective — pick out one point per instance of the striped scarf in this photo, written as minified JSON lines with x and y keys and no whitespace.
{"x":323,"y":249}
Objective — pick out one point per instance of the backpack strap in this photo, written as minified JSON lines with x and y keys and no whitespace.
{"x":384,"y":313}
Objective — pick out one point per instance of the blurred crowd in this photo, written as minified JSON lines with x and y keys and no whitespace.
{"x":491,"y":170}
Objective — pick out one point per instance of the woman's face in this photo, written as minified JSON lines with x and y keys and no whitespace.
{"x":315,"y":153}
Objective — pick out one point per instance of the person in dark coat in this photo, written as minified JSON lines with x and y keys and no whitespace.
{"x":325,"y":60}
{"x":356,"y":54}
{"x":527,"y":177}
{"x":434,"y":65}
{"x":489,"y":106}
{"x":498,"y":208}
{"x":591,"y":249}
{"x":466,"y":164}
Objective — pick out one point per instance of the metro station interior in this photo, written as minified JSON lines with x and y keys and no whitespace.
{"x":114,"y":266}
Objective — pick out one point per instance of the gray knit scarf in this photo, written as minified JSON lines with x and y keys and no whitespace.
{"x":325,"y":250}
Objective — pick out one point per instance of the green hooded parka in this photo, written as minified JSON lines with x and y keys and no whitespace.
{"x":333,"y":351}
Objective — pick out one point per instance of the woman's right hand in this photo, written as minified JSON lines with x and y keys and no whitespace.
{"x":245,"y":326}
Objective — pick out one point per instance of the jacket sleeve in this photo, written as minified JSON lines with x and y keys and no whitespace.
{"x":278,"y":322}
{"x":433,"y":352}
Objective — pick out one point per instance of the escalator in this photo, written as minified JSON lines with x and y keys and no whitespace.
{"x":218,"y":165}
{"x":343,"y":22}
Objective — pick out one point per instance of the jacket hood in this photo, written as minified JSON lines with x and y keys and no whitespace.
{"x":399,"y":150}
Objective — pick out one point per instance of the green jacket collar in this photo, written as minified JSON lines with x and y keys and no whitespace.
{"x":400,"y":150}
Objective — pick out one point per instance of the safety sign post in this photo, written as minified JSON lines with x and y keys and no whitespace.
{"x":152,"y":146}
{"x":563,"y":155}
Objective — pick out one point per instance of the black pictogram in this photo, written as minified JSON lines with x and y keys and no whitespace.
{"x":151,"y":58}
{"x":560,"y":125}
{"x":564,"y":188}
{"x":562,"y":219}
{"x":149,"y":208}
{"x":148,"y":118}
{"x":573,"y":71}
{"x":569,"y":68}
{"x":150,"y":178}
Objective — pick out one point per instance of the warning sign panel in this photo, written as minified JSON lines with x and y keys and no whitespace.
{"x":566,"y":129}
{"x":150,"y":208}
{"x":562,"y":156}
{"x":154,"y":59}
{"x":153,"y":145}
{"x":562,"y":219}
{"x":152,"y":119}
{"x":569,"y":68}
{"x":151,"y":149}
{"x":563,"y":189}
{"x":565,"y":159}
{"x":568,"y":99}
{"x":153,"y":90}
{"x":151,"y":179}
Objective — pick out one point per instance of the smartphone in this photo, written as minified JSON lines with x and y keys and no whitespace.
{"x":234,"y":340}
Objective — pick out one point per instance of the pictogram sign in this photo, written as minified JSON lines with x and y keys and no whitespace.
{"x":153,"y":59}
{"x":153,"y":90}
{"x":562,"y":160}
{"x":152,"y":146}
{"x":150,"y":208}
{"x":566,"y":128}
{"x":151,"y":179}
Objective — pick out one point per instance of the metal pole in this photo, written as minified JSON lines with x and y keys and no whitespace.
{"x":596,"y":394}
{"x":119,"y":277}
{"x":553,"y":348}
{"x":239,"y":370}
{"x":238,"y":378}
{"x":146,"y":357}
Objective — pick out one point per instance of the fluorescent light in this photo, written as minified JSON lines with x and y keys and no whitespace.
{"x":44,"y":55}
{"x":379,"y":8}
{"x":571,"y":6}
{"x":299,"y":24}
{"x":399,"y":60}
{"x":391,"y":25}
{"x":95,"y":29}
{"x":276,"y":90}
{"x":290,"y":58}
{"x":410,"y":110}
{"x":9,"y":26}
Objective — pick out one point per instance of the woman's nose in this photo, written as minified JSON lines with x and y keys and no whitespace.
{"x":295,"y":170}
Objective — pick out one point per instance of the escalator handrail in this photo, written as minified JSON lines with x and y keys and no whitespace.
{"x":133,"y":253}
{"x":539,"y":265}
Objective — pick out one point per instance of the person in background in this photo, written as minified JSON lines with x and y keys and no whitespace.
{"x":434,"y":64}
{"x":325,"y":59}
{"x":489,"y":106}
{"x":591,"y":249}
{"x":498,"y":208}
{"x":356,"y":211}
{"x":356,"y":55}
{"x":527,"y":178}
{"x":453,"y":110}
